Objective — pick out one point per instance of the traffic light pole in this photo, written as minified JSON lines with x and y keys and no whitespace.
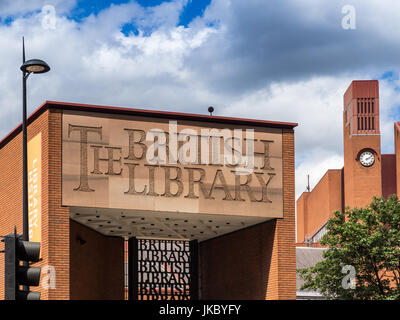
{"x":17,"y":250}
{"x":10,"y":274}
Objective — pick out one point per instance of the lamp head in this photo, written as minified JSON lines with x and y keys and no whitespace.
{"x":35,"y":66}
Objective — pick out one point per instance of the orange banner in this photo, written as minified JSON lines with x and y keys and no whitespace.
{"x":35,"y":188}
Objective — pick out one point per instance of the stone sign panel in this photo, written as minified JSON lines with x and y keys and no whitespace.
{"x":152,"y":164}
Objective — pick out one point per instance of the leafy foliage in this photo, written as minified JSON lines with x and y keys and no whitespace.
{"x":367,"y":239}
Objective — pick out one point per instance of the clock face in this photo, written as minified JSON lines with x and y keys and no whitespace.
{"x":367,"y":158}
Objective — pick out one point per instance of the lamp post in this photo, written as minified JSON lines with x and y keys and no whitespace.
{"x":28,"y":67}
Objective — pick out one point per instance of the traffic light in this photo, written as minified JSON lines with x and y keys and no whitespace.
{"x":16,"y":275}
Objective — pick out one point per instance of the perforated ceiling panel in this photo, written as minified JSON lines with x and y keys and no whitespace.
{"x":160,"y":225}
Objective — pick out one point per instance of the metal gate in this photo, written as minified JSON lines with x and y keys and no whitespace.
{"x":162,"y":269}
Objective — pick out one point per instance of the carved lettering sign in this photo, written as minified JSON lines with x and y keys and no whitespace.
{"x":151,"y":164}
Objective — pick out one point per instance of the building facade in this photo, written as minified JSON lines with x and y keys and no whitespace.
{"x":148,"y":198}
{"x":366,"y":171}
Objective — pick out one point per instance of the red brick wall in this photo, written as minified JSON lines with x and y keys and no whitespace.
{"x":320,"y":204}
{"x":236,"y":266}
{"x":258,"y":262}
{"x":55,"y":218}
{"x":58,"y":222}
{"x":302,"y":216}
{"x":282,"y":278}
{"x":11,"y":192}
{"x":389,"y":186}
{"x":97,"y":266}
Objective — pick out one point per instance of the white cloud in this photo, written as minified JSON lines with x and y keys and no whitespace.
{"x":14,"y":8}
{"x":389,"y":102}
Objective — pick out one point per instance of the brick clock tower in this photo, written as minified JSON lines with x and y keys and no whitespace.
{"x":362,"y":146}
{"x":366,"y":172}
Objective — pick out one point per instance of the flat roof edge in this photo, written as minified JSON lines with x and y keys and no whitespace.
{"x":143,"y":112}
{"x":167,"y":114}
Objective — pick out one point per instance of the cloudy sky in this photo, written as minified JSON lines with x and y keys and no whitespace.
{"x":284,"y":60}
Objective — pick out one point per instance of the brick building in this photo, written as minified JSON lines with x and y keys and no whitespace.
{"x":190,"y":229}
{"x":366,"y":171}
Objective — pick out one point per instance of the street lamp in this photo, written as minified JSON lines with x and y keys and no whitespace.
{"x":35,"y":66}
{"x":28,"y":67}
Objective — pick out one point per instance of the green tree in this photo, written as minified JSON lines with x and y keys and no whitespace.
{"x":366,"y":241}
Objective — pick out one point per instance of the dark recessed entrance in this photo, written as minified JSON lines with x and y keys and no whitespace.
{"x":163,"y":269}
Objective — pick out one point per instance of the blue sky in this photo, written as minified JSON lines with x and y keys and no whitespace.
{"x":84,"y":8}
{"x":283,"y":60}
